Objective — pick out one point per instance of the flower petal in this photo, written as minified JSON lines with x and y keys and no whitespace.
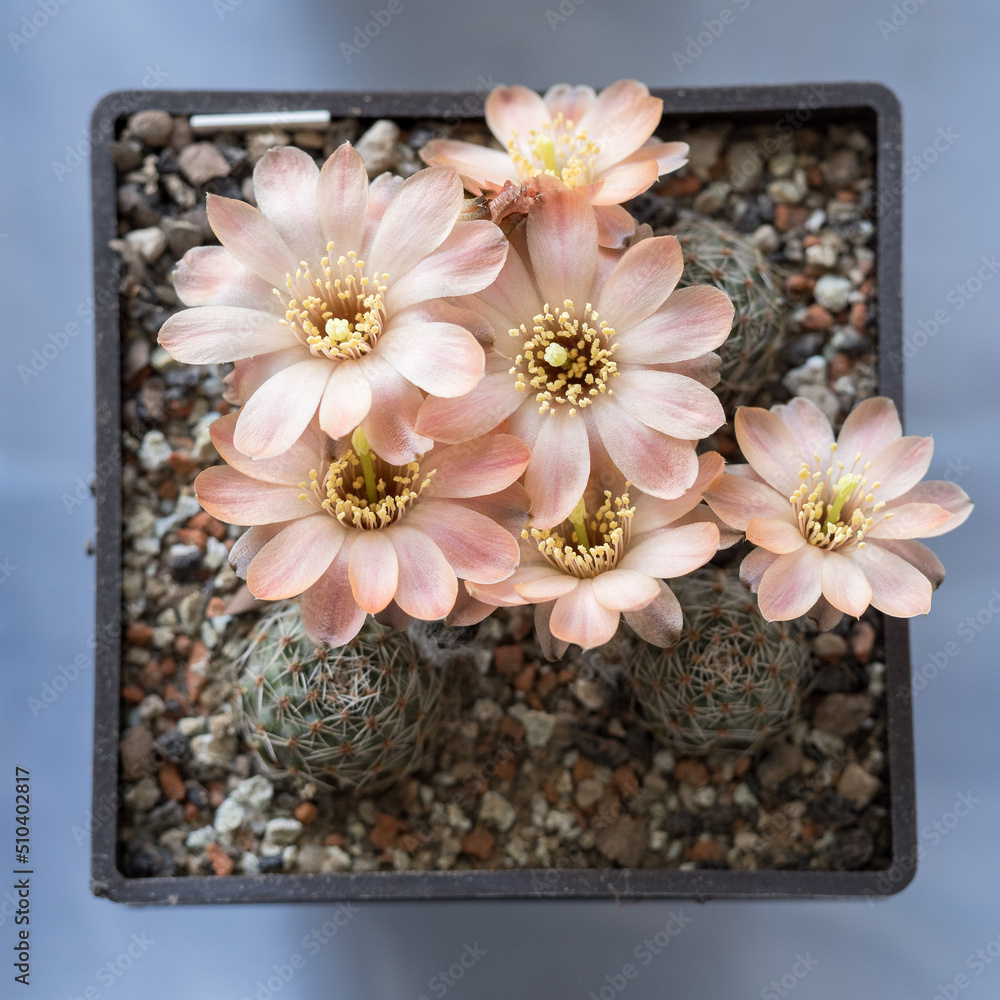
{"x":898,"y":587}
{"x":915,"y":553}
{"x":472,"y":161}
{"x":625,"y":180}
{"x":776,"y":534}
{"x":213,"y":335}
{"x":514,"y":111}
{"x":347,"y":399}
{"x":441,"y":358}
{"x":672,"y":552}
{"x":652,"y":512}
{"x":791,"y":585}
{"x":659,"y":622}
{"x":249,"y":374}
{"x":844,"y":584}
{"x":672,"y":404}
{"x":329,"y":611}
{"x":289,"y":468}
{"x":252,"y":239}
{"x":615,"y":227}
{"x":467,"y":610}
{"x":871,"y":426}
{"x":900,"y":466}
{"x":342,"y":199}
{"x":237,"y":499}
{"x":769,"y":447}
{"x":577,"y":617}
{"x":472,"y":415}
{"x":669,"y":156}
{"x":559,"y":468}
{"x":477,"y":549}
{"x":380,"y":193}
{"x":250,"y":543}
{"x":655,"y":463}
{"x":284,"y":187}
{"x":953,"y":498}
{"x":737,"y":500}
{"x":641,"y":281}
{"x":508,"y":507}
{"x":417,"y":219}
{"x":212,"y":276}
{"x":569,"y":101}
{"x":428,"y":586}
{"x":624,"y":589}
{"x":274,"y":417}
{"x":373,"y":569}
{"x":545,"y":586}
{"x":620,"y":121}
{"x":477,"y":468}
{"x":296,"y":558}
{"x":389,"y":424}
{"x":910,"y":520}
{"x":552,"y":648}
{"x":562,"y":245}
{"x":754,"y":566}
{"x":808,"y":425}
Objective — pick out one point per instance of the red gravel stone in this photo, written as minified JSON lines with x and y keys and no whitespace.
{"x":139,"y":634}
{"x":191,"y":812}
{"x":182,"y":464}
{"x":306,"y":812}
{"x":840,"y":364}
{"x":817,"y":318}
{"x":207,"y":523}
{"x":222,"y":863}
{"x":386,"y":831}
{"x":409,"y":842}
{"x":479,"y":843}
{"x":510,"y":726}
{"x":859,"y":316}
{"x":863,"y":641}
{"x":583,"y":768}
{"x":193,"y":536}
{"x":525,"y":679}
{"x":546,"y":683}
{"x":506,"y":770}
{"x":133,"y":693}
{"x":508,"y":659}
{"x":335,"y":840}
{"x":216,"y":793}
{"x":625,"y":781}
{"x":706,"y":850}
{"x":789,"y":216}
{"x":798,"y":286}
{"x":692,"y":771}
{"x":171,"y":783}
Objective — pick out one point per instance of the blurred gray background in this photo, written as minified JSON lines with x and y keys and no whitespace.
{"x":939,"y":58}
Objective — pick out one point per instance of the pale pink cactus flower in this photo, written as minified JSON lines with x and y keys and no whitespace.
{"x":593,"y":351}
{"x":330,"y":299}
{"x":835,"y":521}
{"x":610,"y":558}
{"x":597,"y":143}
{"x":354,"y":534}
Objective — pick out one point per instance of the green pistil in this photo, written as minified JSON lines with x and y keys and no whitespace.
{"x":546,"y":150}
{"x":364,"y":452}
{"x":846,"y":485}
{"x":579,"y":521}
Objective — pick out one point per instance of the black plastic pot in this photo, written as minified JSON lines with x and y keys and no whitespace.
{"x":784,"y":108}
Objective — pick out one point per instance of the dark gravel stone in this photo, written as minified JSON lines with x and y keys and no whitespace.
{"x":850,"y":851}
{"x":173,"y":745}
{"x":832,"y":809}
{"x":719,"y":819}
{"x":165,"y":816}
{"x":840,"y":678}
{"x":197,"y":794}
{"x":145,"y":860}
{"x":272,"y":864}
{"x":802,"y":348}
{"x":681,"y":824}
{"x":600,"y":749}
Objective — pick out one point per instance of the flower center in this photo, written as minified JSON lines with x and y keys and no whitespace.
{"x":566,"y":359}
{"x":340,"y":313}
{"x":362,"y":491}
{"x":836,"y":507}
{"x":584,"y":546}
{"x":555,"y":149}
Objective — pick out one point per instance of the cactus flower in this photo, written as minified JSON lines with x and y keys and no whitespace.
{"x":835,"y":521}
{"x":329,"y":298}
{"x":354,"y":533}
{"x":592,"y":352}
{"x":610,"y":557}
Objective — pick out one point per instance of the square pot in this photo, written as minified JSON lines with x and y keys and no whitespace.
{"x":780,"y":109}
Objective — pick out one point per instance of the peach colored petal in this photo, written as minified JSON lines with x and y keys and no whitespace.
{"x":274,"y":417}
{"x":769,"y":447}
{"x":910,"y":520}
{"x":373,"y":569}
{"x":250,"y":543}
{"x":898,"y":587}
{"x":953,"y":498}
{"x":615,"y":227}
{"x":569,"y":101}
{"x":441,"y":358}
{"x":728,"y":536}
{"x":514,"y":111}
{"x":559,"y":468}
{"x":622,"y":132}
{"x":577,"y":617}
{"x":673,"y":552}
{"x":916,"y":554}
{"x":476,"y":468}
{"x":641,"y":281}
{"x":753,"y":567}
{"x":237,"y":499}
{"x":472,"y":161}
{"x":703,"y":369}
{"x":844,"y":584}
{"x":900,"y":466}
{"x":655,"y":463}
{"x":672,"y":404}
{"x":562,"y":244}
{"x":467,"y":261}
{"x":347,"y":399}
{"x":737,"y":500}
{"x":212,"y":276}
{"x":252,"y":239}
{"x":776,"y":534}
{"x":614,"y":100}
{"x":871,"y":426}
{"x":660,"y":621}
{"x":808,"y":425}
{"x":289,"y":468}
{"x":669,"y":156}
{"x":213,"y":335}
{"x":625,"y":180}
{"x":552,"y":648}
{"x":428,"y":586}
{"x":652,"y":512}
{"x":418,"y":218}
{"x":329,"y":611}
{"x":342,"y":200}
{"x":542,"y":586}
{"x":467,"y":610}
{"x":509,"y":507}
{"x":624,"y":589}
{"x":511,"y":300}
{"x":691,"y":323}
{"x":477,"y":548}
{"x":454,"y":311}
{"x":295,"y":558}
{"x":389,"y":424}
{"x":380,"y":193}
{"x":791,"y":585}
{"x":249,"y":374}
{"x":485,"y":407}
{"x":284,"y":187}
{"x":503,"y":594}
{"x":824,"y":615}
{"x":394,"y":617}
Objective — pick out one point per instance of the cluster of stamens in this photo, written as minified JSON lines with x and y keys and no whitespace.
{"x":556,"y":149}
{"x":566,"y":359}
{"x":585,"y":546}
{"x":339,"y":314}
{"x":835,"y":507}
{"x":362,"y":491}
